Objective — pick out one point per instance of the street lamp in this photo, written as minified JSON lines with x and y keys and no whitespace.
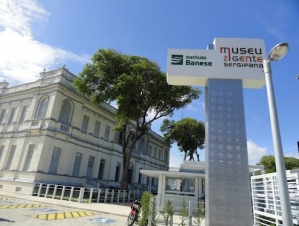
{"x":275,"y":54}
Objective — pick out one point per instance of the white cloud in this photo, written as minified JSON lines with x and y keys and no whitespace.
{"x":255,"y":152}
{"x":175,"y":159}
{"x":22,"y":57}
{"x":196,"y":105}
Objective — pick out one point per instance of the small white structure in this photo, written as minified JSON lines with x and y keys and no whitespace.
{"x":183,"y":183}
{"x":186,"y":182}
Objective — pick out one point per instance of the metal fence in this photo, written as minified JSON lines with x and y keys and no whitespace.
{"x":193,"y":217}
{"x":84,"y":195}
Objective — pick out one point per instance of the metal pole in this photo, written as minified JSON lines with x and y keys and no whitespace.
{"x":279,"y":158}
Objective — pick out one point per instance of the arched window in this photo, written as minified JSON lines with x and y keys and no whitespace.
{"x":42,"y":108}
{"x":65,"y":112}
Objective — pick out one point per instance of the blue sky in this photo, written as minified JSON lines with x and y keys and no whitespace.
{"x":47,"y":34}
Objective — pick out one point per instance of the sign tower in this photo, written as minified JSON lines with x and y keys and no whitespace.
{"x":228,"y":66}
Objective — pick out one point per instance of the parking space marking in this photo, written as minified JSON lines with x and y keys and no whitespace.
{"x":61,"y":215}
{"x":15,"y":206}
{"x":102,"y":220}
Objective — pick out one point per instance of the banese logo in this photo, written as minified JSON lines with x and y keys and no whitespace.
{"x":242,"y":57}
{"x":177,"y":59}
{"x":190,"y":60}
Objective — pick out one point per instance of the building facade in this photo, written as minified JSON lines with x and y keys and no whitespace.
{"x":50,"y":134}
{"x":266,"y":201}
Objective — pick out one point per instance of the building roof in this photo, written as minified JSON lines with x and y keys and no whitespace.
{"x":188,"y":169}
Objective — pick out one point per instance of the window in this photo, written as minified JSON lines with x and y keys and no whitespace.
{"x":77,"y":164}
{"x":29,"y":157}
{"x":153,"y":181}
{"x":12,"y":115}
{"x":90,"y":166}
{"x":65,"y":112}
{"x":166,"y":155}
{"x":85,"y":124}
{"x":150,"y":150}
{"x":10,"y":158}
{"x":96,"y":131}
{"x":2,"y":116}
{"x":142,"y":145}
{"x":42,"y":108}
{"x":23,"y":114}
{"x":55,"y":160}
{"x":107,"y":132}
{"x":101,"y":169}
{"x":179,"y":185}
{"x":119,"y":138}
{"x":117,"y":172}
{"x":155,"y":153}
{"x":1,"y":151}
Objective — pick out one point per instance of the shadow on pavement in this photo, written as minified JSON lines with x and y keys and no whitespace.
{"x":2,"y":219}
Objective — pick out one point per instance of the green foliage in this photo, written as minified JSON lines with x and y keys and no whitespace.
{"x":268,"y":161}
{"x":154,"y":212}
{"x":183,"y":214}
{"x":188,"y":133}
{"x":145,"y":208}
{"x":167,"y":212}
{"x":198,"y":215}
{"x":139,"y":87}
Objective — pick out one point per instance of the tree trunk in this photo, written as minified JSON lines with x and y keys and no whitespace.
{"x":127,"y":152}
{"x":124,"y":181}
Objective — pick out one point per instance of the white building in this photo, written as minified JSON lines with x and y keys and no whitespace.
{"x":186,"y":182}
{"x":50,"y":134}
{"x":266,"y":201}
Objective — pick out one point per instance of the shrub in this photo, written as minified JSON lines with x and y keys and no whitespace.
{"x":183,"y":214}
{"x":198,"y":215}
{"x":145,"y":208}
{"x":167,"y":212}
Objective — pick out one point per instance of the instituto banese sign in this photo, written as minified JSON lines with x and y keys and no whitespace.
{"x":230,"y":58}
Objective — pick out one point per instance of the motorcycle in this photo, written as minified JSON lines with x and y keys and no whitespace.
{"x":135,"y":212}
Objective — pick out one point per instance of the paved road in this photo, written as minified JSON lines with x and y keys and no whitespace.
{"x":17,"y":211}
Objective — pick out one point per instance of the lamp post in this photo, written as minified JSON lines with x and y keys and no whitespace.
{"x":275,"y":54}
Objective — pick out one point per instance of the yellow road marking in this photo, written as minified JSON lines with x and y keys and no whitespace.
{"x":82,"y":214}
{"x":61,"y":215}
{"x":89,"y":213}
{"x":3,"y":206}
{"x":68,"y":215}
{"x":12,"y":206}
{"x":75,"y":214}
{"x":42,"y":216}
{"x":15,"y":206}
{"x":1,"y":198}
{"x":51,"y":216}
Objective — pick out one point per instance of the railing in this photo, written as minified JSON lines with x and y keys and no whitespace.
{"x":195,"y":214}
{"x":84,"y":195}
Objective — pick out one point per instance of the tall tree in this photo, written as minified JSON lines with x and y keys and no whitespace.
{"x":139,"y":87}
{"x":268,"y":161}
{"x":188,"y":133}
